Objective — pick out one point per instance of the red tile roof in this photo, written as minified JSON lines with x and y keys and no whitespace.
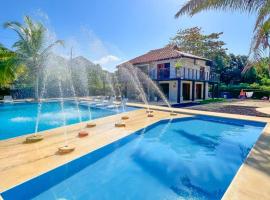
{"x":168,"y":52}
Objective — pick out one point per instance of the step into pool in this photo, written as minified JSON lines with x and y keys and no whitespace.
{"x":189,"y":158}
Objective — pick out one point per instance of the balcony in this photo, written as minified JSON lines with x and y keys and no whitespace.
{"x":184,"y":74}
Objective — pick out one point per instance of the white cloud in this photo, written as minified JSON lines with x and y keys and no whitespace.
{"x":109,"y":59}
{"x":108,"y":62}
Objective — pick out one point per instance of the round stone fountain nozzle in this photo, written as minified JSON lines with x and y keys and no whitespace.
{"x":83,"y":134}
{"x":149,"y":111}
{"x":65,"y":149}
{"x":120,"y":124}
{"x":33,"y":138}
{"x":150,"y":115}
{"x":91,"y":125}
{"x":173,"y":113}
{"x":125,"y":117}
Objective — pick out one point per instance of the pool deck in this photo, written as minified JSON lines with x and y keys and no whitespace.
{"x":20,"y":162}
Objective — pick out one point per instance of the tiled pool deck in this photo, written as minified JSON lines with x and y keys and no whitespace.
{"x":20,"y":162}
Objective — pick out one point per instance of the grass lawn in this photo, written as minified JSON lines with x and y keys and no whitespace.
{"x":215,"y":100}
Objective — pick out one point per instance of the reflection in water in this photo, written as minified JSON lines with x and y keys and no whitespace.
{"x":198,"y":140}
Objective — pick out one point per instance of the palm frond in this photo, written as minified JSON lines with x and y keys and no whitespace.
{"x":195,"y":6}
{"x":57,"y":42}
{"x":263,"y":13}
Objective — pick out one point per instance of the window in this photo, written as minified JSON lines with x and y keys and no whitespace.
{"x":163,"y":70}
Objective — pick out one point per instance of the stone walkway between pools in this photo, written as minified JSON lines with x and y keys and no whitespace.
{"x":20,"y":162}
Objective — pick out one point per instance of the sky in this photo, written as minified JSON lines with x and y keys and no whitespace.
{"x":110,"y":32}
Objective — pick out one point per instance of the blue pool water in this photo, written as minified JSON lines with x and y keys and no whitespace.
{"x":20,"y":118}
{"x":191,"y":158}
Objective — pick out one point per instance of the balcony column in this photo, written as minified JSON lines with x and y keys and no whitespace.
{"x":193,"y":90}
{"x":204,"y":88}
{"x":179,"y":91}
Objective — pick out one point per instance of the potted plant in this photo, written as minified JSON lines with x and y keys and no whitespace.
{"x":178,"y":65}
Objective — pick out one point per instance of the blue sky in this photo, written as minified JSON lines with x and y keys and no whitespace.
{"x":112,"y":31}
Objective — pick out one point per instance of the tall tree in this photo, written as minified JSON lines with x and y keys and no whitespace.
{"x":31,"y":48}
{"x":193,"y":41}
{"x":260,"y":42}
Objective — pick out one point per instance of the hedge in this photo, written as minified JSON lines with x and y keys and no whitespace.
{"x":234,"y":90}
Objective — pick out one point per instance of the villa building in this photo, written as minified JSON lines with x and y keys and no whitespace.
{"x":183,"y":77}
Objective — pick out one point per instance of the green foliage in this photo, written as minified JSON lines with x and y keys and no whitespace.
{"x":259,"y":90}
{"x":215,"y":100}
{"x":229,"y":66}
{"x":260,"y":41}
{"x":31,"y":48}
{"x":193,"y":41}
{"x":9,"y":68}
{"x":178,"y":64}
{"x":250,"y":76}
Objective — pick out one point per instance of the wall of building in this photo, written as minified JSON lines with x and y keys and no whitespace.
{"x":188,"y":63}
{"x":181,"y":93}
{"x":206,"y":90}
{"x":198,"y":83}
{"x":172,"y":90}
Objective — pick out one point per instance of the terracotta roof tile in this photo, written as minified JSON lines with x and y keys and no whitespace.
{"x":168,"y":52}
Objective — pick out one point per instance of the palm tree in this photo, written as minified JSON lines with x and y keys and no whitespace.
{"x":260,"y":42}
{"x":31,"y":48}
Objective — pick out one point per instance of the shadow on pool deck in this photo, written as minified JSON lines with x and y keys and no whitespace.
{"x":260,"y":156}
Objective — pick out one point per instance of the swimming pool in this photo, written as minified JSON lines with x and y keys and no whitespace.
{"x":20,"y":118}
{"x":188,"y":158}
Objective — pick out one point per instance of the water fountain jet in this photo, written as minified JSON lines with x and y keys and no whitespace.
{"x":67,"y":148}
{"x":37,"y":137}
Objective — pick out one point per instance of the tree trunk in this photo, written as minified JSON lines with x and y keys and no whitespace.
{"x":37,"y":86}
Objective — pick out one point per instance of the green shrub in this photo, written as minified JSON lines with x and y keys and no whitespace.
{"x":259,"y":90}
